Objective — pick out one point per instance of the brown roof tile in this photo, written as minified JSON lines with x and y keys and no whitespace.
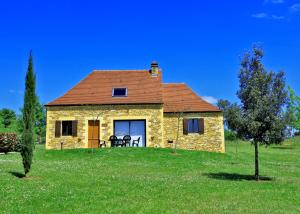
{"x":180,"y":98}
{"x":97,"y":87}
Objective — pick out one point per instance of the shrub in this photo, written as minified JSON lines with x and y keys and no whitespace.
{"x":230,"y":135}
{"x":297,"y":133}
{"x":9,"y":142}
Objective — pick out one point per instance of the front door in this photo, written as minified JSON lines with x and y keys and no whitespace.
{"x":93,"y":134}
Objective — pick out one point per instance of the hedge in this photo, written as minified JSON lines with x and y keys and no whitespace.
{"x":9,"y":142}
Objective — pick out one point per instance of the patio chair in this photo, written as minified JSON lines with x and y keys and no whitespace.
{"x":136,"y":142}
{"x":113,"y":141}
{"x":102,"y":143}
{"x":126,"y":140}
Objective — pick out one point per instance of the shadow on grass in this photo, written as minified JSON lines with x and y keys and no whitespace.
{"x":235,"y":177}
{"x":283,"y":147}
{"x":17,"y":174}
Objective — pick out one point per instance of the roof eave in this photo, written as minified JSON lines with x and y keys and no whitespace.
{"x":99,"y":104}
{"x":204,"y":111}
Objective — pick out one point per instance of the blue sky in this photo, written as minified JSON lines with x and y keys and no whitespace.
{"x":196,"y":42}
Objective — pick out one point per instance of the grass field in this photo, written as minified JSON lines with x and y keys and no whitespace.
{"x":146,"y":180}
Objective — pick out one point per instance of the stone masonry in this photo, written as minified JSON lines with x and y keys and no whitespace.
{"x":160,"y":127}
{"x":152,"y":113}
{"x":212,"y":139}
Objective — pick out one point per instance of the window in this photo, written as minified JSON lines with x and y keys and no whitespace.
{"x":66,"y":128}
{"x":194,"y":125}
{"x":119,"y":92}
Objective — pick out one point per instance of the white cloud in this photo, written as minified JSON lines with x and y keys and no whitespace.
{"x":267,"y":16}
{"x":210,"y":99}
{"x":277,"y":17}
{"x":12,"y":91}
{"x":295,"y":8}
{"x":274,"y":1}
{"x":260,"y":15}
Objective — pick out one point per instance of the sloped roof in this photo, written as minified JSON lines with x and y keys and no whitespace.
{"x":180,"y":98}
{"x":97,"y":87}
{"x":142,"y":87}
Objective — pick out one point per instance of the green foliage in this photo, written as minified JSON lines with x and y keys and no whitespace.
{"x":294,"y":107}
{"x":263,"y":96}
{"x":28,"y":117}
{"x":16,"y":124}
{"x":7,"y":117}
{"x":261,"y":117}
{"x":13,"y":123}
{"x":232,"y":114}
{"x":230,"y":135}
{"x":39,"y":122}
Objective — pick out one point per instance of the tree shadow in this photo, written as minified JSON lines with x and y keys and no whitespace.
{"x":283,"y":147}
{"x":17,"y":174}
{"x":235,"y":177}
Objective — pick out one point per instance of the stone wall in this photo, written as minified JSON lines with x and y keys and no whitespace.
{"x":211,"y":140}
{"x":153,"y":114}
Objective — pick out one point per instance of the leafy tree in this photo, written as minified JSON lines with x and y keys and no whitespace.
{"x":294,"y":108}
{"x":263,"y":96}
{"x":224,"y":105}
{"x":7,"y":117}
{"x":232,"y":113}
{"x":28,"y":117}
{"x":39,"y":120}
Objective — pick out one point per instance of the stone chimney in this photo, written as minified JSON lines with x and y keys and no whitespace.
{"x":154,"y":69}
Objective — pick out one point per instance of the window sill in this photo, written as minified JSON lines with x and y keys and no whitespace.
{"x":195,"y":133}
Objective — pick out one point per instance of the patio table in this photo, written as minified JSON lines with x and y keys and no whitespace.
{"x":120,"y":142}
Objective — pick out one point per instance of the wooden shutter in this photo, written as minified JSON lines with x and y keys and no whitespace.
{"x":57,"y":128}
{"x":201,"y":125}
{"x":185,"y":126}
{"x":74,"y":128}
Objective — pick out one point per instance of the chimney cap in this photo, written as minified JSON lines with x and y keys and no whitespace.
{"x":154,"y":64}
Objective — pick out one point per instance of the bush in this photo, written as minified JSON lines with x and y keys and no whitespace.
{"x":230,"y":135}
{"x":9,"y":142}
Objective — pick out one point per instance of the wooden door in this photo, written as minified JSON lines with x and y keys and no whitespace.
{"x":93,"y":134}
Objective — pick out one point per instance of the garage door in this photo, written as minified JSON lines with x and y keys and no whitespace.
{"x":134,"y":128}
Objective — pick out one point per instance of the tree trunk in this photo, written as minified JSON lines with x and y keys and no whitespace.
{"x":256,"y":161}
{"x":177,"y":134}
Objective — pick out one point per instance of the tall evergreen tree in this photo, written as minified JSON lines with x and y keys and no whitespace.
{"x":263,"y":96}
{"x":28,"y":117}
{"x":40,"y":122}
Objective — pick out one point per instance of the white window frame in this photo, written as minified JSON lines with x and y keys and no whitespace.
{"x":126,"y":92}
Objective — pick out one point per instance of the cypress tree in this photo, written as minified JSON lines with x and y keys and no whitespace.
{"x":28,"y":117}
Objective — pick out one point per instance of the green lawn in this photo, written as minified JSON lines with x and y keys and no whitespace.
{"x":148,"y":180}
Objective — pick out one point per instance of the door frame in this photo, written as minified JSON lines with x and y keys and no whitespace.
{"x":120,"y":120}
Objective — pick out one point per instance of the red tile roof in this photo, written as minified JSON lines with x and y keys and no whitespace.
{"x":180,"y":98}
{"x":96,"y":89}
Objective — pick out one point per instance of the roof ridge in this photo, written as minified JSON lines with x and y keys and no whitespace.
{"x":179,"y":83}
{"x":108,"y":70}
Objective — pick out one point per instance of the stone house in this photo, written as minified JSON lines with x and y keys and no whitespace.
{"x":137,"y":103}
